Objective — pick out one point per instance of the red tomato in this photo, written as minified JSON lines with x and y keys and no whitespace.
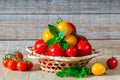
{"x":21,"y":66}
{"x":84,"y":48}
{"x":71,"y":51}
{"x":73,"y":27}
{"x":81,"y":38}
{"x":40,"y":46}
{"x":5,"y":62}
{"x":11,"y":65}
{"x":16,"y":59}
{"x":29,"y":65}
{"x":56,"y":50}
{"x":112,"y":63}
{"x":18,"y":54}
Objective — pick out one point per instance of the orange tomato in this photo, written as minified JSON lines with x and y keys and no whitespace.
{"x":98,"y":69}
{"x":71,"y":39}
{"x":64,"y":26}
{"x":47,"y":35}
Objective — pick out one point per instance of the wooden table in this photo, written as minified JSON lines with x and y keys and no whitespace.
{"x":37,"y":74}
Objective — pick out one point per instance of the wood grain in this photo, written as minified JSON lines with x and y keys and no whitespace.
{"x":93,"y":26}
{"x":59,"y":6}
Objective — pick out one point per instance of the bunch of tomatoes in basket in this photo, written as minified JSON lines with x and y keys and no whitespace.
{"x":15,"y":61}
{"x":62,"y":40}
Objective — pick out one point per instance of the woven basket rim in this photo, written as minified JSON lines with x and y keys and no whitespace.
{"x":38,"y":56}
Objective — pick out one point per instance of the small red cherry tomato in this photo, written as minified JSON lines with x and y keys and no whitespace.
{"x":5,"y":62}
{"x":84,"y":48}
{"x":29,"y":65}
{"x":112,"y":63}
{"x":21,"y":66}
{"x":11,"y":65}
{"x":71,"y":51}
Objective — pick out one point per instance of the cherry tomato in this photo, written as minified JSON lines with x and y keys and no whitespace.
{"x":29,"y":65}
{"x":18,"y":54}
{"x":73,"y":27}
{"x":40,"y":47}
{"x":16,"y":59}
{"x":71,"y":51}
{"x":84,"y":48}
{"x":56,"y":50}
{"x":98,"y":69}
{"x":112,"y":63}
{"x":5,"y":62}
{"x":21,"y":66}
{"x":11,"y":65}
{"x":81,"y":38}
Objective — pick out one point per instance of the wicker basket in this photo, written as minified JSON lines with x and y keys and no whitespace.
{"x":55,"y":64}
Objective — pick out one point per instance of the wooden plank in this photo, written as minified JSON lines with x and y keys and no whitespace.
{"x":105,"y":46}
{"x":59,"y":6}
{"x":93,"y":26}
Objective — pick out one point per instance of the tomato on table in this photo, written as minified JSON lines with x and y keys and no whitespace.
{"x":112,"y":63}
{"x":21,"y":66}
{"x":11,"y":65}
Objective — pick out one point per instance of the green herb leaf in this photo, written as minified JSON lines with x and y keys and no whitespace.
{"x":64,"y":45}
{"x":51,"y":41}
{"x":76,"y":71}
{"x":62,"y":34}
{"x":53,"y":30}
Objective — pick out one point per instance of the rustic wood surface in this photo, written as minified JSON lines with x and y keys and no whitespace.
{"x":59,"y":6}
{"x":23,"y":21}
{"x":37,"y":74}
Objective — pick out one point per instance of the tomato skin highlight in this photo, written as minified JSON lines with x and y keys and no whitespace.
{"x":5,"y":62}
{"x":55,"y":50}
{"x":84,"y":48}
{"x":21,"y":66}
{"x":11,"y":65}
{"x":64,"y":26}
{"x":40,"y":47}
{"x":112,"y":63}
{"x":98,"y":69}
{"x":71,"y":51}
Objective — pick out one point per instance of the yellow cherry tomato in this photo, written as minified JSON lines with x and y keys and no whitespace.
{"x":47,"y":35}
{"x":71,"y":39}
{"x":98,"y":69}
{"x":64,"y":26}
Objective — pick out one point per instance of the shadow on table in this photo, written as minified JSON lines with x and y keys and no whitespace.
{"x":35,"y":67}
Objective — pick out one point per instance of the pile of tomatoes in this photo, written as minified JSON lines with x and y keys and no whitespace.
{"x":62,"y":40}
{"x":15,"y":61}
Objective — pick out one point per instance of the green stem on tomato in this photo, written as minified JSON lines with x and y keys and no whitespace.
{"x":59,"y":20}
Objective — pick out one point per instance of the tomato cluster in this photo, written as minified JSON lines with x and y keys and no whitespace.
{"x":15,"y":61}
{"x":62,"y":40}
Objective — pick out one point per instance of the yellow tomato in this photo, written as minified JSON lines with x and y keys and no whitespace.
{"x":71,"y":39}
{"x":98,"y":69}
{"x":64,"y":26}
{"x":47,"y":35}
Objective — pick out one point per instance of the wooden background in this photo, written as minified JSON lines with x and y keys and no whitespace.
{"x":23,"y":21}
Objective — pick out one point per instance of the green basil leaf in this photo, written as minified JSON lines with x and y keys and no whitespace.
{"x":64,"y":45}
{"x":53,"y":30}
{"x":51,"y":41}
{"x":62,"y":34}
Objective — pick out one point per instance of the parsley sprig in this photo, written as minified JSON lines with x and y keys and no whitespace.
{"x":76,"y":71}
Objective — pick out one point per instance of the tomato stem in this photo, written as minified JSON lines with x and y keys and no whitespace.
{"x":59,"y":20}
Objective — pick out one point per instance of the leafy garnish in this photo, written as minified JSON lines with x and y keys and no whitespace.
{"x":76,"y":71}
{"x":64,"y":45}
{"x":58,"y":37}
{"x":51,"y":41}
{"x":53,"y":30}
